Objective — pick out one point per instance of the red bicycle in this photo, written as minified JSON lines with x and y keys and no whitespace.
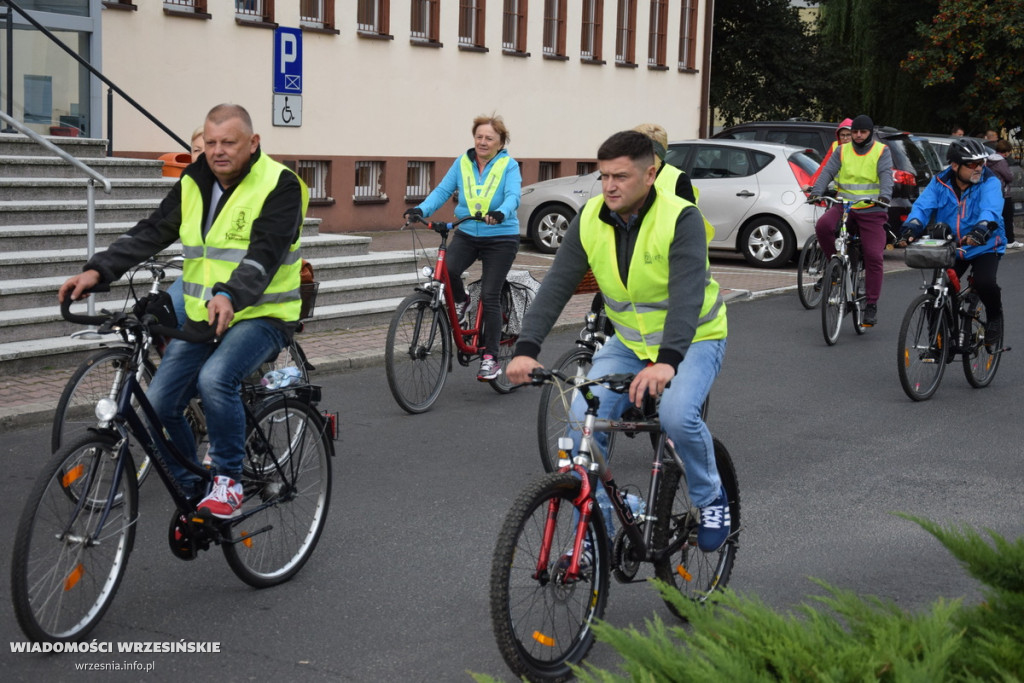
{"x":425,"y":329}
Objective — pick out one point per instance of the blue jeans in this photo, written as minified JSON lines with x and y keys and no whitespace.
{"x":679,"y":411}
{"x":216,"y":373}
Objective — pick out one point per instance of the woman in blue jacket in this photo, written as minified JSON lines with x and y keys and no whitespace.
{"x":969,"y":198}
{"x":488,"y":181}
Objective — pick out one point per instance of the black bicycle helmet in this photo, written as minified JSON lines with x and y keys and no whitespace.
{"x":967,"y":149}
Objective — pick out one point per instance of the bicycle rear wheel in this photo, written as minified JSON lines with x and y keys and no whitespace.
{"x":833,"y":300}
{"x":923,"y":348}
{"x":287,"y":484}
{"x":859,"y":296}
{"x":418,"y":353}
{"x":694,"y":573}
{"x":980,"y":363}
{"x":541,"y":618}
{"x":71,"y":551}
{"x":810,"y":270}
{"x":506,"y":350}
{"x":97,"y":377}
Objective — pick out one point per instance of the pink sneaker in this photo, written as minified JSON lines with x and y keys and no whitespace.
{"x":224,"y":500}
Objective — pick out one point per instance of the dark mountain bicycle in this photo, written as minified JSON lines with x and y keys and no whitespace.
{"x":947,"y":320}
{"x":77,"y":529}
{"x":551,"y":565}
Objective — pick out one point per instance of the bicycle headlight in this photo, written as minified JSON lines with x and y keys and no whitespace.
{"x":106,"y":409}
{"x":428,"y":272}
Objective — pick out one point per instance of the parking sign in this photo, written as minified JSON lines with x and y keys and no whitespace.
{"x":288,"y":61}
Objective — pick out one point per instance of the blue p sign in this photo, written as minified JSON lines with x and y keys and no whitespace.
{"x":288,"y":60}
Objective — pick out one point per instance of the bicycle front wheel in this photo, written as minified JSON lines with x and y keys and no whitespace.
{"x":809,"y":273}
{"x":923,"y":348}
{"x":287,"y":482}
{"x":506,"y":350}
{"x":418,"y":353}
{"x":71,"y":551}
{"x":833,"y":300}
{"x":542,"y":618}
{"x":980,"y":363}
{"x":694,"y":573}
{"x":860,"y":298}
{"x":99,"y":375}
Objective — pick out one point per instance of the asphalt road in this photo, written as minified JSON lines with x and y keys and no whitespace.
{"x":826,"y":446}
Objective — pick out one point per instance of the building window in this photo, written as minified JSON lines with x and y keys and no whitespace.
{"x":471,"y":23}
{"x":586,"y":167}
{"x":688,"y":36}
{"x":426,"y":16}
{"x":373,"y":17}
{"x":554,"y":28}
{"x":549,"y":170}
{"x":369,"y":182}
{"x":513,"y":28}
{"x":658,"y":36}
{"x":590,"y":42}
{"x":318,"y":14}
{"x":317,"y":176}
{"x":254,"y":11}
{"x":418,"y":180}
{"x":185,"y":7}
{"x":625,"y":33}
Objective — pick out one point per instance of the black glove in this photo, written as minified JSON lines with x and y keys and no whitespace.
{"x":911,"y":230}
{"x":978,"y":234}
{"x":498,"y":216}
{"x":413,"y":214}
{"x":160,"y":307}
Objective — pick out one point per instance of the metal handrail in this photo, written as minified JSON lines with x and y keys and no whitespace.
{"x":90,"y":190}
{"x":142,"y":110}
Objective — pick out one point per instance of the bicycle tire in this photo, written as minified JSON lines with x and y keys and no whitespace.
{"x":860,"y":301}
{"x":694,"y":573}
{"x":810,"y":270}
{"x":92,"y":380}
{"x":543,"y":625}
{"x":502,"y":384}
{"x":417,"y":367}
{"x":62,"y":581}
{"x":553,"y":409}
{"x":921,"y":356}
{"x":833,"y":300}
{"x":287,"y":494}
{"x":980,"y":364}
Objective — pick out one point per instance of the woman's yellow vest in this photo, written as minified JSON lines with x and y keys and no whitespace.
{"x":478,"y":197}
{"x":638,"y":309}
{"x":858,"y":174}
{"x":215,"y":259}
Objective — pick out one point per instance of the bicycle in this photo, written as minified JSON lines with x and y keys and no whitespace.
{"x":843,"y":285}
{"x":77,"y":529}
{"x":946,"y":320}
{"x":418,"y":351}
{"x":102,"y":372}
{"x":544,"y":598}
{"x":809,"y":273}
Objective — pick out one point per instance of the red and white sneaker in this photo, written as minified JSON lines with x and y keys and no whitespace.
{"x":224,"y":500}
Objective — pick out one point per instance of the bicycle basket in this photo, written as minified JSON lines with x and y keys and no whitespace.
{"x":516,"y":295}
{"x":929,"y":253}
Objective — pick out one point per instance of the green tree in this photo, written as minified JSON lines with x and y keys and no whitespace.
{"x":762,"y":53}
{"x":975,"y":49}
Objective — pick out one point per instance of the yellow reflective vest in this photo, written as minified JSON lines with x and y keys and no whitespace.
{"x":858,"y":174}
{"x":478,"y":197}
{"x":213,"y":260}
{"x":638,"y":310}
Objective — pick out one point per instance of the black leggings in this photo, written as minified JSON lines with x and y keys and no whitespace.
{"x":983,"y":269}
{"x":496,"y":254}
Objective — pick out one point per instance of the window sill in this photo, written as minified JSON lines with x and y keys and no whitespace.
{"x":369,"y":200}
{"x":592,"y":60}
{"x":687,"y":70}
{"x":187,"y":15}
{"x":318,"y":29}
{"x":127,"y":6}
{"x":414,"y":198}
{"x":473,"y":48}
{"x":626,"y":65}
{"x":557,"y":58}
{"x":369,"y":35}
{"x":325,"y":201}
{"x":255,"y":23}
{"x":514,"y":53}
{"x":657,"y":67}
{"x":420,"y":42}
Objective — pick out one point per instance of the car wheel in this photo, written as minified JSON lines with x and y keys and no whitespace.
{"x":548,"y":226}
{"x":767,"y":242}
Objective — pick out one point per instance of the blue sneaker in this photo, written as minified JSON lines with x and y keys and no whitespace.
{"x":715,"y":525}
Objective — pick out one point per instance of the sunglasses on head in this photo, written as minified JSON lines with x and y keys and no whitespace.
{"x":974,"y":164}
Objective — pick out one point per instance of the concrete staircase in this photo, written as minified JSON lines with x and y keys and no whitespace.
{"x":43,"y":228}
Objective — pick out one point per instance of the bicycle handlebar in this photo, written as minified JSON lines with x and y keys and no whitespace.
{"x":836,"y":200}
{"x":441,"y":227}
{"x":618,"y":382}
{"x":111,"y":319}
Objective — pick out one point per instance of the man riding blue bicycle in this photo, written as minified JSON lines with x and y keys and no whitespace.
{"x":968,"y":197}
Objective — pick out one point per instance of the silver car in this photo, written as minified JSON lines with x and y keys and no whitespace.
{"x":750,"y":191}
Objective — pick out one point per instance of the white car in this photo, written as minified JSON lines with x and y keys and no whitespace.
{"x":750,"y":191}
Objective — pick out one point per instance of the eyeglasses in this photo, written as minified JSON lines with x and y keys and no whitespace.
{"x":974,"y":164}
{"x":845,"y":136}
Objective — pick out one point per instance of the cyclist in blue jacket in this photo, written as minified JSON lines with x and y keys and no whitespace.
{"x":968,"y":197}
